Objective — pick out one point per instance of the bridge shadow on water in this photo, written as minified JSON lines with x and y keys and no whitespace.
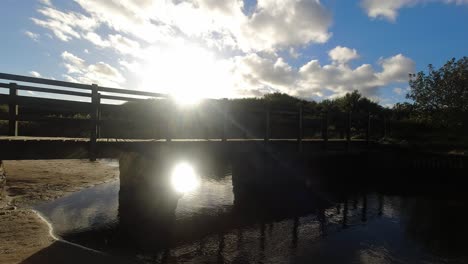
{"x":278,"y":207}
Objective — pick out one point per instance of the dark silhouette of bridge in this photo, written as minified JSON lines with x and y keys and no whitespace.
{"x":31,"y":92}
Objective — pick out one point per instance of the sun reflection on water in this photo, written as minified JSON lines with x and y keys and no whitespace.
{"x":184,"y":179}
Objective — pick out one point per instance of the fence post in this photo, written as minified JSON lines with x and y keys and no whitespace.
{"x":325,"y":129}
{"x":94,"y":122}
{"x":368,"y":128}
{"x":384,"y":127}
{"x":267,"y":122}
{"x":13,"y":111}
{"x":168,"y":122}
{"x":301,"y":127}
{"x":224,"y":111}
{"x":99,"y":114}
{"x":348,"y":130}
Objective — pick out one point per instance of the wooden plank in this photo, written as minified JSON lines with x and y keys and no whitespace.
{"x":37,"y":118}
{"x":325,"y":129}
{"x":13,"y":111}
{"x":4,"y":116}
{"x":224,"y":107}
{"x":120,"y":98}
{"x":4,"y":98}
{"x":132,"y":92}
{"x":267,"y":123}
{"x":95,"y":100}
{"x":368,"y":128}
{"x":20,"y":78}
{"x":301,"y":128}
{"x":52,"y":91}
{"x":5,"y":85}
{"x":280,"y":112}
{"x":348,"y":129}
{"x":32,"y":102}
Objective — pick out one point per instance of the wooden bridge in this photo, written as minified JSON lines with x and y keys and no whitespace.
{"x":26,"y":96}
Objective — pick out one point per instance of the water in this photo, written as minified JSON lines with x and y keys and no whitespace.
{"x":221,"y":223}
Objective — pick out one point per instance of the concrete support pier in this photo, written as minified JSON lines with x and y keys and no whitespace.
{"x":147,"y":203}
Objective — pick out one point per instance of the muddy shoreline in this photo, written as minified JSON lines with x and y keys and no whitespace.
{"x":25,"y":237}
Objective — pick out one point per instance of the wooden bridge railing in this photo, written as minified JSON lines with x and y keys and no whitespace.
{"x":91,"y":101}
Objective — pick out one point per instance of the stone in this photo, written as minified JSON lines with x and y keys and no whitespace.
{"x":3,"y":201}
{"x":2,"y":179}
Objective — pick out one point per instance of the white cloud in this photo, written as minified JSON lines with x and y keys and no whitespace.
{"x":396,"y":68}
{"x":46,"y":2}
{"x":96,"y":39}
{"x":343,"y":54}
{"x":34,"y":36}
{"x":35,"y":74}
{"x":340,"y":79}
{"x":100,"y":73}
{"x":64,"y":25}
{"x":313,"y":79}
{"x":257,"y":73}
{"x":398,"y":91}
{"x":389,"y":9}
{"x":279,"y":23}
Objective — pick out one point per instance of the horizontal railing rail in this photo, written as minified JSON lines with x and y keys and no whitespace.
{"x":64,"y":84}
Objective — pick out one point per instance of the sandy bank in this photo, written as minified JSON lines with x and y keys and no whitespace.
{"x":24,"y":236}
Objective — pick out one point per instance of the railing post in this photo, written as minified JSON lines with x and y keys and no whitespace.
{"x":13,"y":111}
{"x":368,"y":128}
{"x":267,"y":122}
{"x":325,"y":129}
{"x":301,"y":127}
{"x":94,"y":122}
{"x":99,"y":113}
{"x":169,"y":121}
{"x":384,"y":127}
{"x":224,"y":110}
{"x":348,"y":130}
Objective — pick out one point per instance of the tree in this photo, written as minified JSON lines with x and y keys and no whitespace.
{"x":355,"y":102}
{"x":282,"y":100}
{"x":402,"y":111}
{"x":441,"y":96}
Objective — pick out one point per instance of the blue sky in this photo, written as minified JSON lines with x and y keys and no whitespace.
{"x":307,"y":48}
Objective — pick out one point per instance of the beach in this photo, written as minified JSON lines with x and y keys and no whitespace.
{"x":25,"y":237}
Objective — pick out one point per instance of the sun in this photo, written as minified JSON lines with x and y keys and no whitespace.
{"x":188,"y":73}
{"x":184,"y":179}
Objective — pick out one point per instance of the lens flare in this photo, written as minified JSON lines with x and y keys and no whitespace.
{"x":184,"y":179}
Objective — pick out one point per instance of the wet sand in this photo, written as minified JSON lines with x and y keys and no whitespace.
{"x":24,"y":236}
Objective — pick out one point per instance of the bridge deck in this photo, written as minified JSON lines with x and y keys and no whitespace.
{"x":22,"y":147}
{"x":63,"y":139}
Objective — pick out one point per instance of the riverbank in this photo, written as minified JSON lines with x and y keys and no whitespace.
{"x":24,"y":235}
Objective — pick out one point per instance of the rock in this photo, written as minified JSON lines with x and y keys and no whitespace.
{"x":2,"y":181}
{"x":3,"y":196}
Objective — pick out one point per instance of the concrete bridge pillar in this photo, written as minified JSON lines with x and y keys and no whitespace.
{"x":147,"y":203}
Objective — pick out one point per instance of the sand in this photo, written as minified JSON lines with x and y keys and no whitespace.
{"x":24,"y":236}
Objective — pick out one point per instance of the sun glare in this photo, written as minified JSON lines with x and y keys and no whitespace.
{"x":187,"y":73}
{"x":184,"y":179}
